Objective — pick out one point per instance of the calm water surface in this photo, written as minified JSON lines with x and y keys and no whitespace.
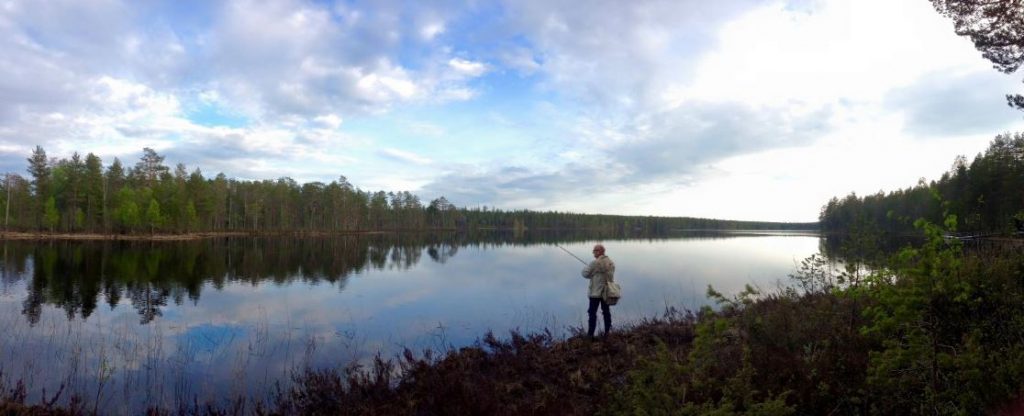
{"x":127,"y":325}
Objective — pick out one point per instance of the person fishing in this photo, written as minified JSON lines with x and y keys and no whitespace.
{"x":600,"y":271}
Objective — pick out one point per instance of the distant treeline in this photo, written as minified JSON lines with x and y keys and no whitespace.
{"x":82,"y":195}
{"x":985,"y":196}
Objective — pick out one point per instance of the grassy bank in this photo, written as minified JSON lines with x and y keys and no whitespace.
{"x":721,"y":363}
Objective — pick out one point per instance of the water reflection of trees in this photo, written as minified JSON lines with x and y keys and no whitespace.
{"x":857,"y":249}
{"x":874,"y":250}
{"x":76,"y":276}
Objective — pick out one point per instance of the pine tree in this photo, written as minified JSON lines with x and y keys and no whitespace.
{"x":112,"y":184}
{"x":94,"y":192}
{"x":115,"y":177}
{"x":39,"y":168}
{"x":151,"y":167}
{"x":72,"y":192}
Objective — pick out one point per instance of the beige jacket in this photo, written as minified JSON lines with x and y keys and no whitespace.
{"x":600,"y":272}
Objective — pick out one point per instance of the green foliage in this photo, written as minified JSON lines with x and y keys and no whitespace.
{"x":656,"y":386}
{"x":51,"y":217}
{"x":724,"y":378}
{"x":191,"y":219}
{"x":906,"y":318}
{"x":934,"y":330}
{"x":745,"y":297}
{"x":128,"y":210}
{"x":947,"y":327}
{"x":153,"y":218}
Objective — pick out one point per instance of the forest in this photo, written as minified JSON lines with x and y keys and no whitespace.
{"x":82,"y":195}
{"x":985,"y":195}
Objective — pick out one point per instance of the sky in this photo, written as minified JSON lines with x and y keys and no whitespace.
{"x":732,"y":109}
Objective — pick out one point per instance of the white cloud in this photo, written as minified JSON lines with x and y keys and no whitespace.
{"x":467,"y":68}
{"x":310,"y":63}
{"x":613,"y":52}
{"x":404,"y":156}
{"x":385,"y":88}
{"x":432,"y":30}
{"x":132,"y":100}
{"x":127,"y":116}
{"x":331,"y":121}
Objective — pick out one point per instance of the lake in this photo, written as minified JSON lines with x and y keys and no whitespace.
{"x":127,"y":325}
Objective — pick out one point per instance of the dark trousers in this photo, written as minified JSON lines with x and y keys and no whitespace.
{"x":592,"y":315}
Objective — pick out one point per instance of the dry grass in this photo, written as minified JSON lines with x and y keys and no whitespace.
{"x":524,"y":374}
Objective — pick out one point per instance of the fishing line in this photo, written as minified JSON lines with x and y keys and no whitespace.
{"x":570,"y":253}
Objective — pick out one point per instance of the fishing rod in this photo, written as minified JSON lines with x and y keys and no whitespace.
{"x":570,"y":253}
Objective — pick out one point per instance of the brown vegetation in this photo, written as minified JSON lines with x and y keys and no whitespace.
{"x":531,"y":374}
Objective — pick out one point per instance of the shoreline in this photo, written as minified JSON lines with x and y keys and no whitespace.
{"x":44,"y":236}
{"x":15,"y":235}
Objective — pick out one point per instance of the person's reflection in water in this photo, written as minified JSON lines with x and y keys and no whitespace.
{"x":600,"y":271}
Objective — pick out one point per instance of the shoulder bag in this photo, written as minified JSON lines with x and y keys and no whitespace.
{"x":612,"y":292}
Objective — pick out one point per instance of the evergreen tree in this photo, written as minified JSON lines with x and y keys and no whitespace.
{"x":113,"y":182}
{"x":150,"y":167}
{"x":94,"y":192}
{"x":115,"y":176}
{"x":39,"y":168}
{"x":71,"y":188}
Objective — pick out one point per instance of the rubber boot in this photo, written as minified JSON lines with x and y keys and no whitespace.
{"x":607,"y":324}
{"x":591,"y":325}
